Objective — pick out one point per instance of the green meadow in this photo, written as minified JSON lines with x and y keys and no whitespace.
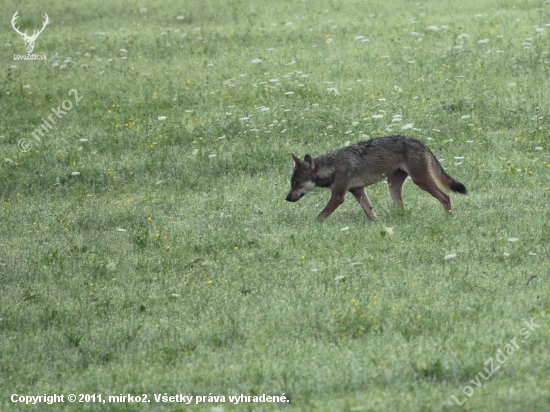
{"x":146,"y":247}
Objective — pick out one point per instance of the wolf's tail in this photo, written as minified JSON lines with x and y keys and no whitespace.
{"x":442,"y":177}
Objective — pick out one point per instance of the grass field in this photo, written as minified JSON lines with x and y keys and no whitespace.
{"x":146,"y":246}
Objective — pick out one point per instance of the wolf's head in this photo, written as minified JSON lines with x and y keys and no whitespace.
{"x":303,"y":178}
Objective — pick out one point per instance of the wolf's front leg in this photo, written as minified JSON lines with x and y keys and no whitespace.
{"x":363,"y":199}
{"x":336,"y":199}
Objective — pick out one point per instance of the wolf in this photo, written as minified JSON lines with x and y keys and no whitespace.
{"x":353,"y":167}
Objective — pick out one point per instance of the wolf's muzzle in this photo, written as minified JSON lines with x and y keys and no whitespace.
{"x":293,"y":198}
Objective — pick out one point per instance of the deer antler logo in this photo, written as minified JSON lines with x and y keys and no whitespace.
{"x":29,"y":40}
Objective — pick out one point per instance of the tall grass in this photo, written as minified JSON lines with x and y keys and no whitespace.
{"x":146,"y":246}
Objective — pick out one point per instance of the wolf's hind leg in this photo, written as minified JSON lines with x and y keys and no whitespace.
{"x":431,"y":187}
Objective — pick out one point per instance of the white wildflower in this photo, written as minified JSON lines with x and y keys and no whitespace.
{"x":450,"y":256}
{"x":408,"y":126}
{"x":161,"y":118}
{"x":256,"y":61}
{"x":483,"y":41}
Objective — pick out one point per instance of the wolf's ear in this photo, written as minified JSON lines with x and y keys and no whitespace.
{"x":297,"y":162}
{"x":308,"y":162}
